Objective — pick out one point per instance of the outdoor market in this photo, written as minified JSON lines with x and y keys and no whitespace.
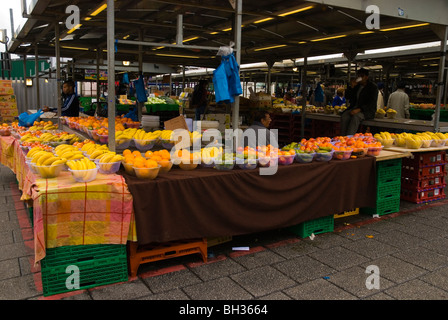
{"x":143,"y":173}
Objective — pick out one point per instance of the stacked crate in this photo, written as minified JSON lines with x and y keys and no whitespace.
{"x":388,"y":176}
{"x":8,"y":104}
{"x":423,"y":177}
{"x":315,"y":226}
{"x":71,"y":268}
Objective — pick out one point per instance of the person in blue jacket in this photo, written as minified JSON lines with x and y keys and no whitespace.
{"x":70,"y":105}
{"x":339,"y":98}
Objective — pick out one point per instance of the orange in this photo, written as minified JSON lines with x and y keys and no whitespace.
{"x":136,"y":153}
{"x":127,"y":152}
{"x":156,"y":158}
{"x":139,"y":162}
{"x":148,"y":154}
{"x":150,"y":163}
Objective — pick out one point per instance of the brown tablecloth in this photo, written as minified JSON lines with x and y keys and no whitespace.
{"x":209,"y":203}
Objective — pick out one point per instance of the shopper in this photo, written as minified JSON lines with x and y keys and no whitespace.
{"x":399,"y":101}
{"x":200,"y":98}
{"x":70,"y":104}
{"x":362,"y":95}
{"x":339,"y":98}
{"x":319,"y":96}
{"x":259,"y":127}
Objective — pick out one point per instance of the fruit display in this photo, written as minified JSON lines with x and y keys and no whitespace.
{"x":162,"y":157}
{"x":385,"y":138}
{"x":123,"y":138}
{"x":342,"y":153}
{"x":225,"y":161}
{"x":286,"y":157}
{"x":42,"y":125}
{"x":323,"y":155}
{"x":83,"y":170}
{"x":5,"y":130}
{"x":374,"y":149}
{"x":46,"y":164}
{"x":208,"y":156}
{"x":380,"y":113}
{"x":145,"y":140}
{"x":109,"y":162}
{"x":391,"y":113}
{"x":93,"y":150}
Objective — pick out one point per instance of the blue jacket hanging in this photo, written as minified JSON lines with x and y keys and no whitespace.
{"x":226,"y":80}
{"x":140,"y":89}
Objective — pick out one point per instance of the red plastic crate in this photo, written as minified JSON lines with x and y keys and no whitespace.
{"x":425,"y":158}
{"x":423,"y":172}
{"x":424,"y":183}
{"x":422,"y":196}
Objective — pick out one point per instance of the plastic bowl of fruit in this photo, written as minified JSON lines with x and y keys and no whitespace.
{"x":438,"y":142}
{"x":225,"y":164}
{"x":84,"y":175}
{"x":413,"y":144}
{"x":286,"y":159}
{"x":167,"y":144}
{"x":48,"y":172}
{"x":147,"y":173}
{"x":426,"y":143}
{"x":165,"y":165}
{"x":123,"y":143}
{"x":103,"y":138}
{"x":144,"y":145}
{"x":267,"y":161}
{"x":386,"y":142}
{"x":128,"y":168}
{"x":324,"y":156}
{"x":32,"y":166}
{"x":188,"y":165}
{"x":342,"y":154}
{"x":95,"y":135}
{"x":108,"y":167}
{"x":5,"y":132}
{"x":360,"y":152}
{"x":246,"y":164}
{"x":305,"y":157}
{"x":208,"y":163}
{"x":374,"y":151}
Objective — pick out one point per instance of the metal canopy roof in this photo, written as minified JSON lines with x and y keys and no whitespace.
{"x":209,"y":23}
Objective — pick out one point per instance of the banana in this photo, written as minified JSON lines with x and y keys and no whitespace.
{"x":49,"y":161}
{"x":43,"y":158}
{"x":107,"y":157}
{"x":75,"y":157}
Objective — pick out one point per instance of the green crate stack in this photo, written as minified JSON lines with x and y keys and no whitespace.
{"x":98,"y":265}
{"x":388,"y":188}
{"x":315,"y":226}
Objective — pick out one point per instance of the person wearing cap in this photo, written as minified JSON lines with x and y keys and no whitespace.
{"x":362,"y":95}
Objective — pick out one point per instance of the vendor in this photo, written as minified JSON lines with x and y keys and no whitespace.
{"x":70,"y":105}
{"x":362,"y":96}
{"x":200,"y":98}
{"x":260,"y":126}
{"x":339,"y":98}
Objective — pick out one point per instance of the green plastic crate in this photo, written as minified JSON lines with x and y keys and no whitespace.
{"x":98,"y":265}
{"x":91,"y":274}
{"x":388,"y":170}
{"x":316,"y":226}
{"x":386,"y":206}
{"x":388,"y":190}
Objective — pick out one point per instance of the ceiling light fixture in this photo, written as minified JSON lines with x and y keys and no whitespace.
{"x":263,"y":20}
{"x":268,"y":48}
{"x":405,"y":27}
{"x":100,"y":8}
{"x":329,"y":38}
{"x":295,"y":11}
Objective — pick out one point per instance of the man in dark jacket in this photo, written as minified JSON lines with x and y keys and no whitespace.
{"x":362,"y":96}
{"x":70,"y":105}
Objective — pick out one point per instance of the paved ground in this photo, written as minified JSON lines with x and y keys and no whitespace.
{"x":409,"y":249}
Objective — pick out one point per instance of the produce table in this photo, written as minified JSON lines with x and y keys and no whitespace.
{"x":405,"y":124}
{"x":69,"y":213}
{"x":210,"y":203}
{"x":400,"y":149}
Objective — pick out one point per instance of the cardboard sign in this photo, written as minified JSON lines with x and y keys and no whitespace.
{"x":176,"y":123}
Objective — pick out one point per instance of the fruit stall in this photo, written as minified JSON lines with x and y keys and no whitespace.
{"x":82,"y":196}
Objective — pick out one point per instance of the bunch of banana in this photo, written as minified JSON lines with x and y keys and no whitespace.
{"x":426,"y":139}
{"x":69,"y":153}
{"x":28,"y":137}
{"x":385,"y":138}
{"x":437,"y":137}
{"x":50,"y":126}
{"x":166,"y":135}
{"x":62,"y":148}
{"x":413,"y":141}
{"x":108,"y":161}
{"x":125,"y":135}
{"x":195,"y":135}
{"x":208,"y":154}
{"x":81,"y":169}
{"x":47,"y":164}
{"x":33,"y":150}
{"x":94,"y":150}
{"x":47,"y":136}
